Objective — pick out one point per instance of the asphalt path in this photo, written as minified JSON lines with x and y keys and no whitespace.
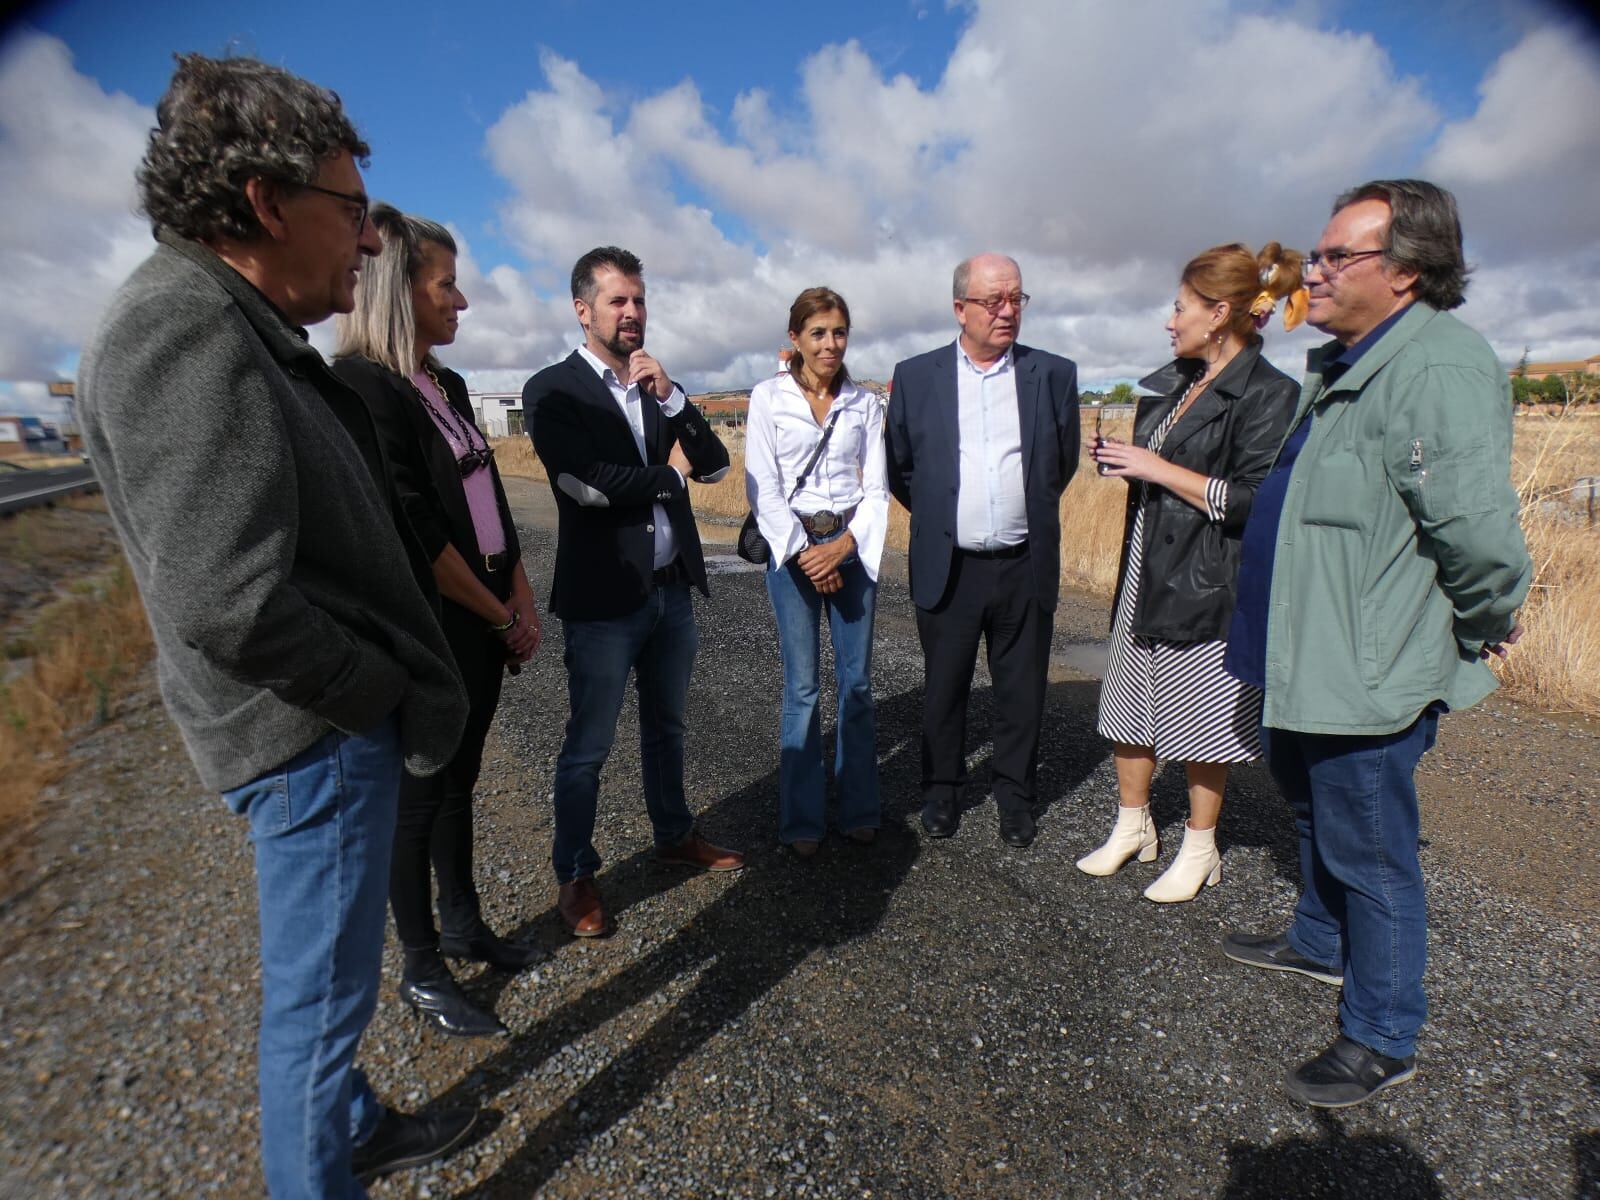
{"x":922,"y":1019}
{"x":26,"y":489}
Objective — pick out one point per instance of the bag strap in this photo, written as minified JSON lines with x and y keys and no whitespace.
{"x":816,"y":454}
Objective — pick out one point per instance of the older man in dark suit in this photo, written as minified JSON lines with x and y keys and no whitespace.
{"x":619,"y":441}
{"x":983,"y":437}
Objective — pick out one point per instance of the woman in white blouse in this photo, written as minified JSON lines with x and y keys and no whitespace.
{"x":825,"y":525}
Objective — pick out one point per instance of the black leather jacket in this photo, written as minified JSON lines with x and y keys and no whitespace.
{"x":1232,"y":432}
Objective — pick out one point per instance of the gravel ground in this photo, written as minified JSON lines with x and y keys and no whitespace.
{"x":922,"y":1019}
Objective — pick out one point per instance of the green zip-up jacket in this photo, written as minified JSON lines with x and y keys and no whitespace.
{"x":1399,"y":553}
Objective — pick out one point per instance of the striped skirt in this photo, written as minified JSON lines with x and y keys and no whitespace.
{"x":1174,"y":696}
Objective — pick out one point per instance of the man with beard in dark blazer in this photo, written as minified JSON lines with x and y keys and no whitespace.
{"x":619,"y":441}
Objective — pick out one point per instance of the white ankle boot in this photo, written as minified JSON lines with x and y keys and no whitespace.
{"x":1198,"y":865}
{"x":1134,"y":833}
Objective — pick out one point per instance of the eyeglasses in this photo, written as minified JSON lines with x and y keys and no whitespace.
{"x":1332,"y":261}
{"x":1017,"y":300}
{"x":361,"y":202}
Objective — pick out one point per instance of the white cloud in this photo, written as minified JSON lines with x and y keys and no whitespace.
{"x":1040,"y":138}
{"x":1100,"y":144}
{"x":1526,"y":165}
{"x":67,"y":156}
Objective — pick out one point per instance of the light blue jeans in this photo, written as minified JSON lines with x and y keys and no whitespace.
{"x":322,"y":825}
{"x":802,"y":781}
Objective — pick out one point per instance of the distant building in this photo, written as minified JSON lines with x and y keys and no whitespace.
{"x":29,"y":435}
{"x":1539,"y":370}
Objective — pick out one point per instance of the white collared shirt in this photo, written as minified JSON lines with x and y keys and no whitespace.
{"x":780,"y":437}
{"x":991,"y":505}
{"x":631,"y":403}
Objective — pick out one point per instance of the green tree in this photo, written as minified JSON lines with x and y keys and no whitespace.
{"x":1122,"y":393}
{"x":1521,"y":390}
{"x":1554,"y":389}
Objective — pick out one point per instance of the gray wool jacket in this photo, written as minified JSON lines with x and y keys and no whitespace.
{"x":244,"y":481}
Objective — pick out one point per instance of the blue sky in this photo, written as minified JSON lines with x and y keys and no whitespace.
{"x":747,"y":150}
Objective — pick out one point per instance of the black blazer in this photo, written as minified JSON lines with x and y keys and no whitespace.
{"x":1232,"y":432}
{"x":925,"y":468}
{"x":605,"y":547}
{"x":422,"y":466}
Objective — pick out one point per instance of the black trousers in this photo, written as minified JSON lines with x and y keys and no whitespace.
{"x":993,"y":598}
{"x":435,"y":819}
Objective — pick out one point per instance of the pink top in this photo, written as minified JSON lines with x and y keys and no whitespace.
{"x":479,"y":485}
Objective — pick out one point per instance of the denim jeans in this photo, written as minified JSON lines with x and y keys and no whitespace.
{"x":657,"y":643}
{"x":322,"y":825}
{"x":1362,"y":909}
{"x":802,"y":782}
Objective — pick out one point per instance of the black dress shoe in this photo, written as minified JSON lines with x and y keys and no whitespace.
{"x":1017,"y":827}
{"x":402,"y":1140}
{"x":486,"y":946}
{"x":443,"y":1002}
{"x":939,"y":817}
{"x":1347,"y":1073}
{"x":1273,"y":952}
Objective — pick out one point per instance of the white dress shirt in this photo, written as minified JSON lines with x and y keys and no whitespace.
{"x":991,"y":507}
{"x":780,"y":437}
{"x":630,"y":402}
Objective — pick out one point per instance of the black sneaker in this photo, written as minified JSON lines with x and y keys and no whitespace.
{"x":1347,"y":1073}
{"x":1273,"y":952}
{"x":402,"y":1140}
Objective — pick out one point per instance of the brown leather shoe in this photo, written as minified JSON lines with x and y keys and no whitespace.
{"x":694,"y":851}
{"x":580,"y":908}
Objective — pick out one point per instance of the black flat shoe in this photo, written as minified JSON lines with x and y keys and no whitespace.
{"x":1347,"y":1073}
{"x":443,"y":1003}
{"x":1018,"y":828}
{"x":939,"y":818}
{"x":402,"y":1141}
{"x":486,"y":946}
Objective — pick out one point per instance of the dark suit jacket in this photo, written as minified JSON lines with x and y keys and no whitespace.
{"x":605,"y":494}
{"x":422,"y":465}
{"x":1190,"y":564}
{"x":925,"y":467}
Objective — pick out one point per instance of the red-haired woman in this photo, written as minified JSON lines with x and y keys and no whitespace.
{"x":1200,"y":447}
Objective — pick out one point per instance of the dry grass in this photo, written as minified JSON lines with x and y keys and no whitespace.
{"x":1555,"y":667}
{"x":84,"y":647}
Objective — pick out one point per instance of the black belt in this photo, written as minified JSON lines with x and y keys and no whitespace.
{"x":1016,"y":551}
{"x":830,"y":522}
{"x":673,"y":572}
{"x":496,"y":562}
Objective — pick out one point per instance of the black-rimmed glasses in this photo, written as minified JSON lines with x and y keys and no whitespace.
{"x":1332,"y":262}
{"x":1017,"y":300}
{"x":360,"y":201}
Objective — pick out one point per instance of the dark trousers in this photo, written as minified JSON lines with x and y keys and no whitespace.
{"x":435,"y":820}
{"x":993,"y":598}
{"x":656,"y":644}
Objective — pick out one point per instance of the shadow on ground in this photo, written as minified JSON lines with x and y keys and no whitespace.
{"x":1333,"y":1166}
{"x":739,"y":948}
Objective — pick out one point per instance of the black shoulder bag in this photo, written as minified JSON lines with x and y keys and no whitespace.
{"x":752,"y":547}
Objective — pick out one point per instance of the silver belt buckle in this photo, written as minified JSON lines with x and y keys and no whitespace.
{"x":825,"y":522}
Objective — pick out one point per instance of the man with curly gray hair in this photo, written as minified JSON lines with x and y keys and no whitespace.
{"x":297,"y":651}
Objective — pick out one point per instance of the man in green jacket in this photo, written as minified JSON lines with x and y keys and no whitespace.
{"x":1382,"y":564}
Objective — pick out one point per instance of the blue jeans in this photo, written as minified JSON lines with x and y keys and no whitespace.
{"x":322,"y":825}
{"x":802,"y":782}
{"x":1362,"y":909}
{"x":657,"y":643}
